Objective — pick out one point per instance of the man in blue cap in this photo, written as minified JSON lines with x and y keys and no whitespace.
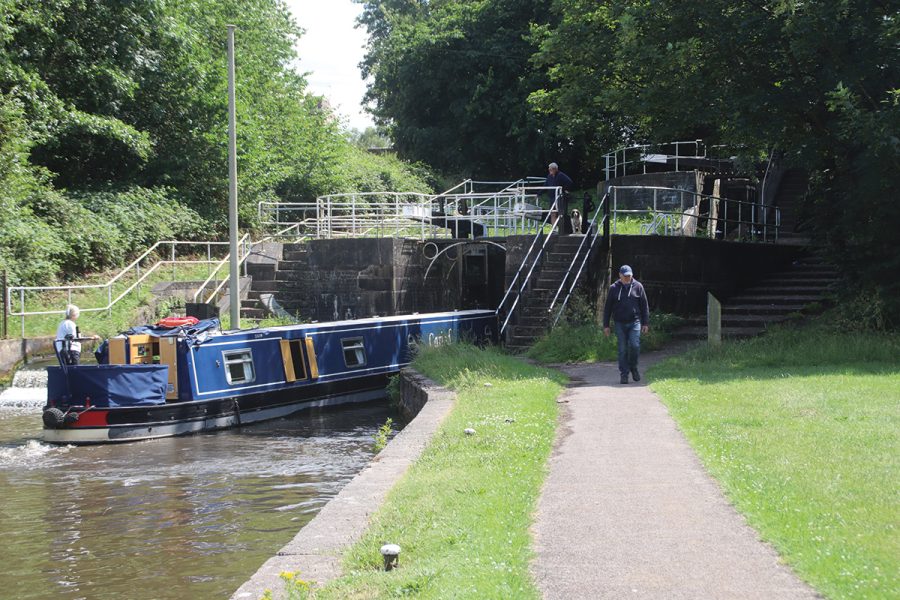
{"x":627,"y":304}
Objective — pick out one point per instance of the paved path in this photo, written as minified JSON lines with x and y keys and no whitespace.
{"x":628,"y":511}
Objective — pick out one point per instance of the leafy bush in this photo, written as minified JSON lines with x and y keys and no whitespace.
{"x":144,"y":216}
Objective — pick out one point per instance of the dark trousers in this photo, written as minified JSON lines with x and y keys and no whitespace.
{"x":629,"y":338}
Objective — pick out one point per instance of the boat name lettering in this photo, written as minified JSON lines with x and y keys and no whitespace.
{"x":442,"y":338}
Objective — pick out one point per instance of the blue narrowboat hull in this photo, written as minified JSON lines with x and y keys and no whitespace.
{"x":228,"y":379}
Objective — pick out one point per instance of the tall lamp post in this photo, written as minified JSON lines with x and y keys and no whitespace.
{"x":234,"y":301}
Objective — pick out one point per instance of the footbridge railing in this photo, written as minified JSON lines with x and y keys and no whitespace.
{"x":479,"y":208}
{"x":650,"y":210}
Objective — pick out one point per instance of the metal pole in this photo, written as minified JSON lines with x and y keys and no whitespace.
{"x":234,"y":301}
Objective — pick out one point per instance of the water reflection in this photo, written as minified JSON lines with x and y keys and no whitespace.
{"x":171,"y":518}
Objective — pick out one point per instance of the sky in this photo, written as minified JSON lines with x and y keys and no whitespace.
{"x":330,"y":51}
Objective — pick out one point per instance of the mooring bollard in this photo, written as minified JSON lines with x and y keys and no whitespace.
{"x":391,"y":555}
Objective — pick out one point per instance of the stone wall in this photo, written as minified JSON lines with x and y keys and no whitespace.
{"x":356,"y":278}
{"x":15,"y":351}
{"x":677,"y":272}
{"x":413,"y":392}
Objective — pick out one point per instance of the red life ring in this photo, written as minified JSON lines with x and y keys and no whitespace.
{"x":177,"y":321}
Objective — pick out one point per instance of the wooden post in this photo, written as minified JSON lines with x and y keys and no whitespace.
{"x":713,"y":319}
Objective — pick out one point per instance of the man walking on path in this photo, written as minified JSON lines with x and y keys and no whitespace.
{"x":628,"y":306}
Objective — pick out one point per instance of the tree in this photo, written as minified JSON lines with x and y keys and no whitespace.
{"x":450,"y":80}
{"x":814,"y":80}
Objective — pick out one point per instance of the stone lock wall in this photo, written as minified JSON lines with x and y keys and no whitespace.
{"x":677,"y":272}
{"x":350,"y":279}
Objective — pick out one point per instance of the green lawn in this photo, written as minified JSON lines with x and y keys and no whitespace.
{"x":463,"y":511}
{"x":802,"y":430}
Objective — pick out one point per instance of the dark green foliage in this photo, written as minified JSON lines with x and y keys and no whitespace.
{"x":450,"y":81}
{"x":28,"y":245}
{"x":113,"y":121}
{"x":816,"y":82}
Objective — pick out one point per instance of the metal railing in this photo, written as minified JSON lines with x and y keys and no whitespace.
{"x":680,"y":212}
{"x":514,"y":293}
{"x":243,"y":253}
{"x":634,"y":160}
{"x":594,"y":229}
{"x":489,"y":207}
{"x":137,"y":267}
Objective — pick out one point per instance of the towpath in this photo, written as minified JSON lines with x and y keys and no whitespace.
{"x":628,"y":511}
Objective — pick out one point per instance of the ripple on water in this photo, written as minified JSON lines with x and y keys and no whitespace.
{"x":22,"y":398}
{"x":30,"y":455}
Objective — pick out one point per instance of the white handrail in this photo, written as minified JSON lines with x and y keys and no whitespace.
{"x":509,"y":313}
{"x":662,"y":216}
{"x":596,"y":228}
{"x":134,"y":265}
{"x":218,"y":267}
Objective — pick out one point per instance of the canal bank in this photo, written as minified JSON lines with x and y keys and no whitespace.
{"x":315,"y":552}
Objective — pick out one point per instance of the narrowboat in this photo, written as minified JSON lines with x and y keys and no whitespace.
{"x":165,"y":380}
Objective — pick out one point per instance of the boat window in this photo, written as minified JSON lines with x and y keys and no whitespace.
{"x":239,"y":366}
{"x":354,"y":352}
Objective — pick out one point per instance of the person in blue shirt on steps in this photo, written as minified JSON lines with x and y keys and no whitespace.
{"x":556,"y":178}
{"x":627,"y":304}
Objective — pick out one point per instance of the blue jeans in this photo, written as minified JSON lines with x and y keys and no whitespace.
{"x":629,"y":336}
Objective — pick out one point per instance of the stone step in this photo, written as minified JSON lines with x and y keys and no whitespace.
{"x":793,"y":290}
{"x":533,"y":321}
{"x":261,"y":271}
{"x":264,"y":286}
{"x":749,"y":309}
{"x":282,"y":277}
{"x":701,"y":333}
{"x":294,"y":247}
{"x":793,"y":299}
{"x":294,"y":255}
{"x":528,"y":331}
{"x":788,"y":281}
{"x":516,"y":346}
{"x":740,"y":321}
{"x":292,"y":265}
{"x":253,"y":313}
{"x":807,"y":273}
{"x":566,"y":242}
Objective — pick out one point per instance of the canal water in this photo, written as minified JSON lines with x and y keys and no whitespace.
{"x":188,"y":517}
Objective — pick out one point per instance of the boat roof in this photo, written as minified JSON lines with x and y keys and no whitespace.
{"x":369,"y":320}
{"x":209,"y":329}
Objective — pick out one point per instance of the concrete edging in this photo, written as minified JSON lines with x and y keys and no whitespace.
{"x":17,"y":350}
{"x":315,"y":552}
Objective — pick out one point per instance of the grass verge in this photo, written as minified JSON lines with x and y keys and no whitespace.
{"x":462,"y":512}
{"x":801,"y":427}
{"x":586,"y":343}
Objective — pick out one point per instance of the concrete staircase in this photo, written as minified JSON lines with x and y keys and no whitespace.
{"x":287,"y":279}
{"x":531,"y":319}
{"x":790,"y":198}
{"x":776,"y":298}
{"x":263,"y":272}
